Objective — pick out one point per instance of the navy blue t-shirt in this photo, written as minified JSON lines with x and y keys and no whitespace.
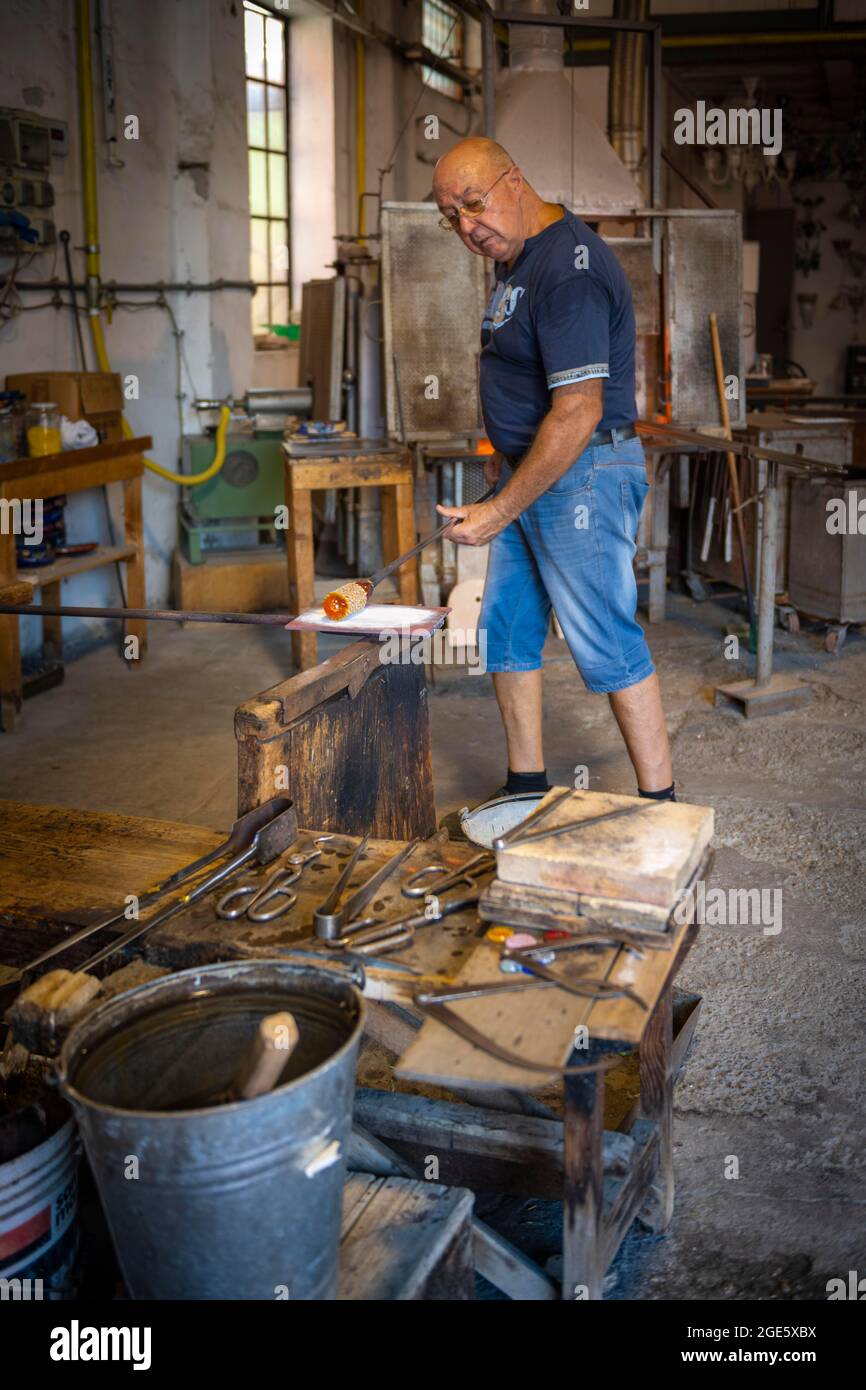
{"x":563,"y":313}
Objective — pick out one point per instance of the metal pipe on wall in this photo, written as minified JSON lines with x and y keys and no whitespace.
{"x":488,"y":71}
{"x":370,"y":421}
{"x":350,"y":371}
{"x":142,"y":286}
{"x":627,"y":86}
{"x":360,"y":126}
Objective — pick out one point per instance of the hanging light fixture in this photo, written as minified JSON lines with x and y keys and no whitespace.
{"x":748,"y":164}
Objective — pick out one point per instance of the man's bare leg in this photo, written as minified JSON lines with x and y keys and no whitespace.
{"x":518,"y":694}
{"x":641,"y":719}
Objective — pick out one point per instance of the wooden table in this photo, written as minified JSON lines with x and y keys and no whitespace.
{"x":51,"y":476}
{"x":389,"y":468}
{"x":61,"y":869}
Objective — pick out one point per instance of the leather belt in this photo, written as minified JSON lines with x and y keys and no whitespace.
{"x":614,"y":436}
{"x":601,"y":437}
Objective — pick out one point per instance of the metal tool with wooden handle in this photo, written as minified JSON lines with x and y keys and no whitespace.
{"x":732,"y":465}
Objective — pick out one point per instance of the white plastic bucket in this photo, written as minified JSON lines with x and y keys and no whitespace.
{"x":39,"y":1218}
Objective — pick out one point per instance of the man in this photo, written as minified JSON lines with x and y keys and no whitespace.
{"x":557,"y":394}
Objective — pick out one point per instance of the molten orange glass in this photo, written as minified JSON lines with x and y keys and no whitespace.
{"x":349,"y":598}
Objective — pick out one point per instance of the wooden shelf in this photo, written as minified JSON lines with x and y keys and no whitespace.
{"x":75,"y":564}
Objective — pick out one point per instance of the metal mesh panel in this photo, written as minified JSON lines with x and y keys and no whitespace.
{"x":473,"y":483}
{"x":635,"y":255}
{"x":433,"y":294}
{"x":703,"y":273}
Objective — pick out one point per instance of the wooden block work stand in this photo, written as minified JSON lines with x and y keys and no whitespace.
{"x":28,"y":479}
{"x":349,"y":741}
{"x":389,"y":470}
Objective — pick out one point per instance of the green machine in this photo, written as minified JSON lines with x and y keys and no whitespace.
{"x":243,"y":496}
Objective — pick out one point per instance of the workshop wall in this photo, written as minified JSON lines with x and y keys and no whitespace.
{"x":820,"y":345}
{"x":176,"y":208}
{"x":180,"y":71}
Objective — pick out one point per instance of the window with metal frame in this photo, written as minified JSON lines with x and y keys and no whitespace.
{"x":442,"y":31}
{"x":266,"y":40}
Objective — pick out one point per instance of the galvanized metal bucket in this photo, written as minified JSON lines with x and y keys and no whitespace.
{"x":223,"y":1201}
{"x":484,"y":824}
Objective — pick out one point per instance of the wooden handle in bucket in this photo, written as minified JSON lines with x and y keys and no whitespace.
{"x":265,"y":1059}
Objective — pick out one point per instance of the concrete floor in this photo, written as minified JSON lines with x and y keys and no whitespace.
{"x":776,"y":1080}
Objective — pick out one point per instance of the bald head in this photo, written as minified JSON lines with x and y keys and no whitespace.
{"x":473,"y":158}
{"x":479,"y":175}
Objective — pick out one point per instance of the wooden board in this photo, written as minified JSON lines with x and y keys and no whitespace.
{"x":69,"y":566}
{"x":646,"y":857}
{"x":18,"y":476}
{"x":348,"y":741}
{"x":476,"y":1147}
{"x":405,"y":1240}
{"x":538,"y":1024}
{"x":521,"y":906}
{"x":61,"y":868}
{"x":250,"y":582}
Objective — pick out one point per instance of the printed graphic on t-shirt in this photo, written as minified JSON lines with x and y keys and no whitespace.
{"x":502,"y":303}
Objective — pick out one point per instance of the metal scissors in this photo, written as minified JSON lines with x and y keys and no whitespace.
{"x":420,"y":884}
{"x":331,"y":920}
{"x":252,"y":899}
{"x":365,"y":938}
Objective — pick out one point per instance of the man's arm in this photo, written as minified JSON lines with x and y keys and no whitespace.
{"x":563,"y":434}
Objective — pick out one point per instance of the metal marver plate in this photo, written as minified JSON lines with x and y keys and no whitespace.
{"x":703,"y":273}
{"x":434,"y":293}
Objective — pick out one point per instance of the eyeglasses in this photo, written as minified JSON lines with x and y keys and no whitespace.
{"x":474,"y":208}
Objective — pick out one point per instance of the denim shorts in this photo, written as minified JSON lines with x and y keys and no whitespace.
{"x":573,"y":549}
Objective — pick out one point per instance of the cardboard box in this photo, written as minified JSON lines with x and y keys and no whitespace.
{"x":93,"y":396}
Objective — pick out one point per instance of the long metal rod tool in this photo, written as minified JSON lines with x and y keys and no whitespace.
{"x":568,"y":826}
{"x":180,"y":615}
{"x":268,"y":843}
{"x":161,"y":615}
{"x":511,"y":836}
{"x":733,"y":476}
{"x":239,"y":837}
{"x":425,"y":540}
{"x":436,"y":1009}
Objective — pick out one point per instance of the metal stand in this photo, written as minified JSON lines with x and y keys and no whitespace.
{"x":767,"y":693}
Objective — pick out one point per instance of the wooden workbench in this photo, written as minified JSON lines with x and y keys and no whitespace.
{"x":62,"y":869}
{"x":53,"y":475}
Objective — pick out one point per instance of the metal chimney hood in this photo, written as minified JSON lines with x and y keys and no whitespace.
{"x":563,"y":153}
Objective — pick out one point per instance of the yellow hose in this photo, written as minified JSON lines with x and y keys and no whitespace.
{"x":91,"y":238}
{"x":193,"y":479}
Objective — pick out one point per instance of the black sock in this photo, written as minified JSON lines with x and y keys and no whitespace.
{"x":527,"y":781}
{"x":667,"y":794}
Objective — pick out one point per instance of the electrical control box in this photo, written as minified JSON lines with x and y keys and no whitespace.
{"x":27,"y":143}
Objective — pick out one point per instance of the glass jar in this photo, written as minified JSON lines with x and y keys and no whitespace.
{"x":43,"y":429}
